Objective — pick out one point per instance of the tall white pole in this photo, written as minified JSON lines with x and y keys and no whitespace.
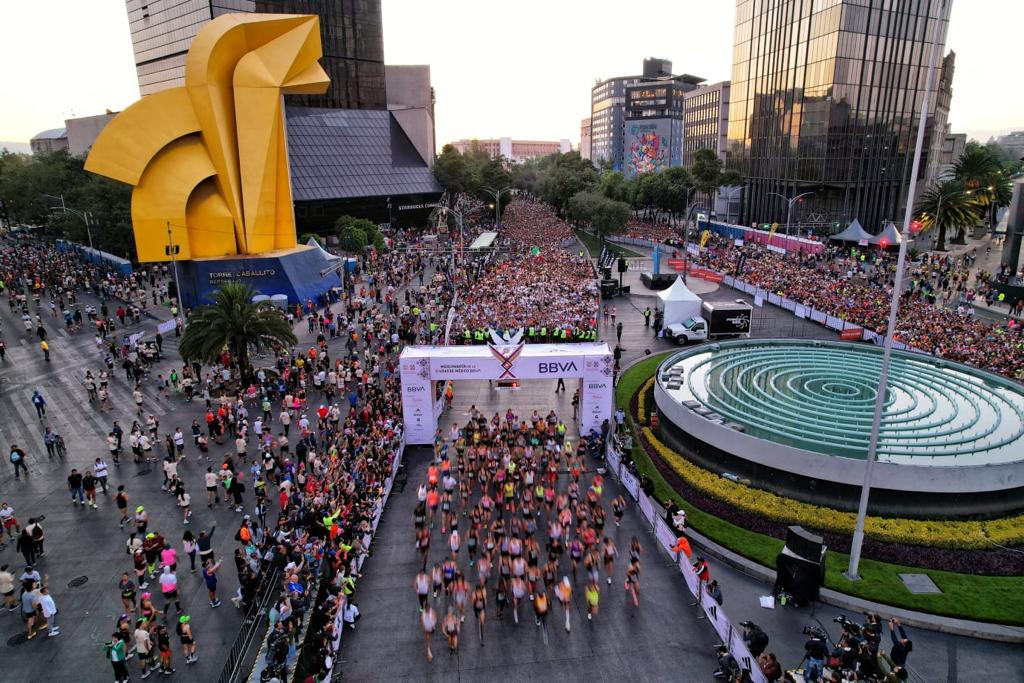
{"x":173,"y":251}
{"x":883,"y":380}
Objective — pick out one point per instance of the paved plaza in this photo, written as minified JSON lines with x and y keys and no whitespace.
{"x":662,"y":640}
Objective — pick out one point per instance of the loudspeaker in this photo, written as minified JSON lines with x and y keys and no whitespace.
{"x":799,"y":577}
{"x":805,"y":544}
{"x":623,"y":266}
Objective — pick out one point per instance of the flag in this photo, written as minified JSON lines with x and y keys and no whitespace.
{"x":705,"y":237}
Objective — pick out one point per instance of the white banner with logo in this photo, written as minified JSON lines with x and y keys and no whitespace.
{"x":420,"y":365}
{"x":167,"y":326}
{"x":630,"y":483}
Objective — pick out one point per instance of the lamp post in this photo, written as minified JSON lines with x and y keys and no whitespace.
{"x":790,"y":203}
{"x":84,"y":215}
{"x":497,"y":201}
{"x":728,"y":199}
{"x":172,"y":250}
{"x":851,"y":572}
{"x":686,"y":232}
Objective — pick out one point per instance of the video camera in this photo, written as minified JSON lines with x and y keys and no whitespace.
{"x":851,"y":629}
{"x":815,"y":632}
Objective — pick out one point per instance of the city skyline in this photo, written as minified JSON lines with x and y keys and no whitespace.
{"x":516,"y":79}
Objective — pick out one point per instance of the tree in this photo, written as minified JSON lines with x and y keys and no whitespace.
{"x":945,"y":205}
{"x":235,"y":324}
{"x":604,"y":215}
{"x":616,"y":186}
{"x":980,"y":171}
{"x":26,"y":179}
{"x":563,"y":175}
{"x":451,"y":170}
{"x":355,"y":234}
{"x":306,"y":236}
{"x":708,"y":175}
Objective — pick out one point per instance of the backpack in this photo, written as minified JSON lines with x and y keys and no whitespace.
{"x":15,"y":456}
{"x":37,"y":532}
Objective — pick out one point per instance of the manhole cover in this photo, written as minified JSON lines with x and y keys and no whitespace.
{"x":144,"y":471}
{"x":77,"y":581}
{"x":17,"y":639}
{"x":919,"y":584}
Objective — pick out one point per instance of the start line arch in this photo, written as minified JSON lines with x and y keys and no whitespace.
{"x":422,"y":366}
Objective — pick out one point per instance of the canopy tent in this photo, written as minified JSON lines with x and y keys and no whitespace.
{"x":853,"y":233}
{"x":484,"y":241}
{"x":890,"y":234}
{"x":679,"y":303}
{"x":327,"y":255}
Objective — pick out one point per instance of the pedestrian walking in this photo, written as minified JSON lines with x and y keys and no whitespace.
{"x":143,"y":647}
{"x":17,"y":458}
{"x":188,"y":543}
{"x":163,"y":645}
{"x":89,"y":486}
{"x":210,"y":576}
{"x":49,"y":609}
{"x":169,"y":588}
{"x":9,"y":521}
{"x":35,"y":530}
{"x":27,"y":547}
{"x":121,"y":500}
{"x":100,"y":472}
{"x":618,"y":331}
{"x":40,"y":404}
{"x":116,"y":653}
{"x":188,"y":643}
{"x":128,"y":593}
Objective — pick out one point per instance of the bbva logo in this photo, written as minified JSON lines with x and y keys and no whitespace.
{"x":414,"y":388}
{"x":555,"y":368}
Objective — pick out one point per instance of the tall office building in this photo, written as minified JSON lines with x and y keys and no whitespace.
{"x":824,"y":99}
{"x":705,"y":120}
{"x":636,"y":122}
{"x":352,"y":35}
{"x":351,"y":32}
{"x":162,"y":31}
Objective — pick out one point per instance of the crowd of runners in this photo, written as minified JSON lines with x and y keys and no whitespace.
{"x":510,"y":521}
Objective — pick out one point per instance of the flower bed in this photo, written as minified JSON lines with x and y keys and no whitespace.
{"x":920,"y":542}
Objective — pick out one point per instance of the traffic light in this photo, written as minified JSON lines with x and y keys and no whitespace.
{"x":915,"y":226}
{"x":883,"y":243}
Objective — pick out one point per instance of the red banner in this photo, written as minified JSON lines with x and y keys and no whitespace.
{"x":852,"y":334}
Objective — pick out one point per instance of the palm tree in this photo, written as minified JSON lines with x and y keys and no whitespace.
{"x":980,"y":171}
{"x":946,"y":205}
{"x":236,"y":324}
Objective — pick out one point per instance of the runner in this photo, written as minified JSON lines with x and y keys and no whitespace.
{"x":428,"y":619}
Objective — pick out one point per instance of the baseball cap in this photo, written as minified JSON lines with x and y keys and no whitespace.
{"x":184,"y":619}
{"x":140,"y":509}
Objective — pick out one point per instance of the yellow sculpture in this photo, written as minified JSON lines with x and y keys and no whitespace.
{"x":209,"y":159}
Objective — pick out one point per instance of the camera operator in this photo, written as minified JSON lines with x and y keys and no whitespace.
{"x":815,"y":652}
{"x":872,"y":632}
{"x":727,"y":664}
{"x":754,"y":637}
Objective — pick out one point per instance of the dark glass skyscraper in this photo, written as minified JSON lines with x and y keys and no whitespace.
{"x":824,"y":98}
{"x":352,"y":35}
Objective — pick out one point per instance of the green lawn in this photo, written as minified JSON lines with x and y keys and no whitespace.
{"x":594,"y":245}
{"x":997,"y":599}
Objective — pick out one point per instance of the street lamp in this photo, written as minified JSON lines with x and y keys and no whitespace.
{"x":172,"y":250}
{"x":728,"y":199}
{"x":851,"y":572}
{"x":686,"y":232}
{"x":497,"y":201}
{"x":84,"y":215}
{"x":790,"y":203}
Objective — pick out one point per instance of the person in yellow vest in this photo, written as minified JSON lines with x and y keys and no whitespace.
{"x":467,"y":336}
{"x":46,"y":350}
{"x":543,"y":333}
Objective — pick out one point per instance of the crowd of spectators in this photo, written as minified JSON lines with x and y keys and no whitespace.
{"x":857,"y":287}
{"x":538,"y":284}
{"x":648,"y":231}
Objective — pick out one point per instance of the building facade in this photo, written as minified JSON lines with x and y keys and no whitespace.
{"x":1013,"y":143}
{"x":162,"y":31}
{"x":636,"y":122}
{"x":411,"y":101}
{"x":585,"y":138}
{"x":824,"y":99}
{"x":351,"y":32}
{"x":706,"y":120}
{"x":52,"y":140}
{"x":516,"y":151}
{"x":352,"y":36}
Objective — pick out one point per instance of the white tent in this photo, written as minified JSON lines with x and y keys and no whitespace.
{"x":890,"y":234}
{"x":853,"y":233}
{"x":328,"y":255}
{"x":679,"y":303}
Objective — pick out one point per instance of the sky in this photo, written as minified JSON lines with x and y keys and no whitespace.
{"x":521,"y":69}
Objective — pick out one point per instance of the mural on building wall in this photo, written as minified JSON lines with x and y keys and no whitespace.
{"x":646,"y":147}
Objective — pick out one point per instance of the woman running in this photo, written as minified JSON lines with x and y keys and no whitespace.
{"x":428,"y":619}
{"x":593,"y":595}
{"x":563,"y":591}
{"x":608,"y":548}
{"x":451,"y":630}
{"x":480,"y":608}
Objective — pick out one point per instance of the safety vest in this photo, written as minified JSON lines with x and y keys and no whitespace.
{"x":561,"y":428}
{"x":479,"y":335}
{"x":533,"y":331}
{"x":543,"y":331}
{"x":433,"y":327}
{"x":466,"y":335}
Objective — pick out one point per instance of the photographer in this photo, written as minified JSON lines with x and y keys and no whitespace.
{"x":754,"y":637}
{"x":727,"y":664}
{"x":815,"y":651}
{"x":901,"y":646}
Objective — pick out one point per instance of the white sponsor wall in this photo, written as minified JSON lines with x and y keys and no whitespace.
{"x":421,"y":365}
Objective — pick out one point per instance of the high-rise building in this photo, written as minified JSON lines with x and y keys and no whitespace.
{"x":351,"y":32}
{"x":824,"y":99}
{"x":585,"y":138}
{"x":1013,"y":143}
{"x":636,"y":122}
{"x":352,"y":36}
{"x":706,"y":120}
{"x":162,"y":31}
{"x":411,"y":101}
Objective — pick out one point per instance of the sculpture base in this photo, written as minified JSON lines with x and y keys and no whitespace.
{"x":295,"y":273}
